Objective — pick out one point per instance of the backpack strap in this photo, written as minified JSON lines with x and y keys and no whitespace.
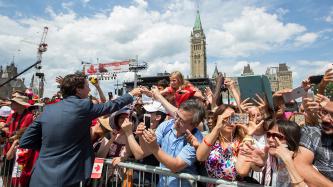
{"x":167,"y":129}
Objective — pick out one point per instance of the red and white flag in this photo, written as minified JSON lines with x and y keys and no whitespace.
{"x":97,"y":168}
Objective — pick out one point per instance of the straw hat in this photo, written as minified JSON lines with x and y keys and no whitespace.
{"x":22,"y":100}
{"x":104,"y":121}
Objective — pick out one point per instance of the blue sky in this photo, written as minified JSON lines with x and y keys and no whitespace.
{"x":239,"y":32}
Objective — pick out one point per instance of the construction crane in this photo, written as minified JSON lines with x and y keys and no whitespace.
{"x":37,"y":82}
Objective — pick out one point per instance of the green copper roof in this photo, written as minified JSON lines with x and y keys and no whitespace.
{"x":197,"y":24}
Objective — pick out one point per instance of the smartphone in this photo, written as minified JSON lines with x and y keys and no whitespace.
{"x":239,"y":119}
{"x":315,"y":79}
{"x":299,"y":119}
{"x":294,"y":94}
{"x":146,"y":120}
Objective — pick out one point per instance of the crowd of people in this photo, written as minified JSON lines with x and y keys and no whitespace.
{"x":173,"y":125}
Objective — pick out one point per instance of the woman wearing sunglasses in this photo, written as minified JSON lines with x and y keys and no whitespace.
{"x":220,"y":147}
{"x":283,"y":139}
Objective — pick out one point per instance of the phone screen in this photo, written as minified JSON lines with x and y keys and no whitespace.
{"x":299,"y":119}
{"x":239,"y":119}
{"x":147,"y":120}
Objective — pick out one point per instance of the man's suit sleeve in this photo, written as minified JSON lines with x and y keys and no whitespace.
{"x":32,"y":136}
{"x":109,"y":107}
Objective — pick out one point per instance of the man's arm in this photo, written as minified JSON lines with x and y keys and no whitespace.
{"x":174,"y":164}
{"x":32,"y":136}
{"x":303,"y":163}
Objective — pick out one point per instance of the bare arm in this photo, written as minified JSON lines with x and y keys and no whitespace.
{"x":174,"y":164}
{"x":168,"y":106}
{"x":138,"y":151}
{"x":303,"y":163}
{"x":100,"y":93}
{"x":205,"y":146}
{"x":12,"y":150}
{"x":217,"y":97}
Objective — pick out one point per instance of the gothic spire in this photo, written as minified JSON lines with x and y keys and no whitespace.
{"x":197,"y":23}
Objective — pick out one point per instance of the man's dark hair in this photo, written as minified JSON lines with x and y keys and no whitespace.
{"x":70,"y":83}
{"x":197,"y":108}
{"x":163,"y":83}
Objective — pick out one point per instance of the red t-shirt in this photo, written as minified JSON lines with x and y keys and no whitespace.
{"x":182,"y":94}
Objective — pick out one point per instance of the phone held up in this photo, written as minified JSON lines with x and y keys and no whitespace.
{"x":239,"y":119}
{"x":146,"y":120}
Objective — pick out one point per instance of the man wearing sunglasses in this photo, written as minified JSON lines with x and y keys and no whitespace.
{"x":314,"y":161}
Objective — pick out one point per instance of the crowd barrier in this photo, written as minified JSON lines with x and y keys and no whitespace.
{"x":131,"y":174}
{"x":141,"y":172}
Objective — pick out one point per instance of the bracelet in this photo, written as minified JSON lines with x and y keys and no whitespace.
{"x":297,"y":182}
{"x":208,"y":144}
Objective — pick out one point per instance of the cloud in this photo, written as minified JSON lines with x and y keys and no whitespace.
{"x":306,"y":38}
{"x":234,"y":29}
{"x":255,"y":30}
{"x":329,"y":17}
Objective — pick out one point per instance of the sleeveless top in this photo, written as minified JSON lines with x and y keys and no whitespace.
{"x":221,"y":162}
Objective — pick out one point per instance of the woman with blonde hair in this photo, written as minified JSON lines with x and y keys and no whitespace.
{"x":180,"y":90}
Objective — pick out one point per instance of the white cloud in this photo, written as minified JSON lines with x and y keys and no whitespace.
{"x":255,"y":30}
{"x":329,"y":17}
{"x":306,"y":38}
{"x":233,"y":29}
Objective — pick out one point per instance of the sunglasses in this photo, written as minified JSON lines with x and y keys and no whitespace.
{"x":275,"y":135}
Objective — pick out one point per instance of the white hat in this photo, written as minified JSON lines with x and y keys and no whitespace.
{"x":5,"y":111}
{"x":154,"y":107}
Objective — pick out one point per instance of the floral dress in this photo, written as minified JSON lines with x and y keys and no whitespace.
{"x":221,"y":162}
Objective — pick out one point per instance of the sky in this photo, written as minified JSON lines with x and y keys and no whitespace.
{"x":238,"y":32}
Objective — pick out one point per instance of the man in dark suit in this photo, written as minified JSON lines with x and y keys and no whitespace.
{"x":62,"y":133}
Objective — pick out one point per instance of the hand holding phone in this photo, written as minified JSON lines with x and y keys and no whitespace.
{"x":239,"y":119}
{"x":147,"y":120}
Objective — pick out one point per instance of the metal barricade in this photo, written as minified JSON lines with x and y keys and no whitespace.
{"x":144,"y":171}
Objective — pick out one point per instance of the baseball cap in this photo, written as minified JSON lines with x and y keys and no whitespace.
{"x":154,"y":107}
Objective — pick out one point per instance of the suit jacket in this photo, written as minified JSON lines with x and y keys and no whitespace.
{"x":62,"y":133}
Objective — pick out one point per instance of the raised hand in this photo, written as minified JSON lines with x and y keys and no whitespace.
{"x":261,"y":102}
{"x":149,"y":137}
{"x":283,"y":152}
{"x":328,"y":77}
{"x":245,"y":105}
{"x":229,"y":83}
{"x":59,"y":79}
{"x":209,"y":94}
{"x":136,"y":92}
{"x":155,"y":92}
{"x":320,"y":98}
{"x":310,"y":105}
{"x":254,"y":155}
{"x":127,"y":126}
{"x":306,"y":85}
{"x":252,"y":127}
{"x":140,"y":128}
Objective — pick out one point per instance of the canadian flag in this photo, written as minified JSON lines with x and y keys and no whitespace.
{"x":97,"y":168}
